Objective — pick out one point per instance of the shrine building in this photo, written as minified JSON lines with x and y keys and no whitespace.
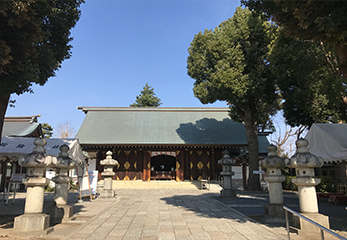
{"x":163,"y":143}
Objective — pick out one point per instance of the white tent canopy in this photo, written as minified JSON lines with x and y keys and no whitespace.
{"x":328,"y":141}
{"x":15,"y":147}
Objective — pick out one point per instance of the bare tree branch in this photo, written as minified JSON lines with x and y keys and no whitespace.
{"x":332,"y":63}
{"x":65,"y":130}
{"x":282,"y":140}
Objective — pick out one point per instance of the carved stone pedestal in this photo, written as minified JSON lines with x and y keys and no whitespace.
{"x":228,"y":193}
{"x":227,"y":173}
{"x":107,"y":193}
{"x":304,"y":163}
{"x":273,"y":163}
{"x":61,"y":211}
{"x":307,"y":228}
{"x":275,"y":212}
{"x":33,"y":218}
{"x":31,"y":222}
{"x":275,"y":208}
{"x":108,"y":173}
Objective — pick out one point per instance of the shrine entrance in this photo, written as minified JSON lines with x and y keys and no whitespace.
{"x":163,"y":167}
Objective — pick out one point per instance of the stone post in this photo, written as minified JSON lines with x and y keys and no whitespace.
{"x":61,"y":211}
{"x":273,"y":163}
{"x":108,"y":173}
{"x":227,"y":174}
{"x":304,"y":163}
{"x":36,"y":163}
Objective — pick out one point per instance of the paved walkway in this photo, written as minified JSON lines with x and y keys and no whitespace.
{"x":164,"y":213}
{"x":167,"y":214}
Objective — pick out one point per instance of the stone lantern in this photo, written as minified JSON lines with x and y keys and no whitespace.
{"x":36,"y":163}
{"x":62,"y":212}
{"x":304,"y":163}
{"x":227,"y":174}
{"x":108,"y":173}
{"x":273,"y":163}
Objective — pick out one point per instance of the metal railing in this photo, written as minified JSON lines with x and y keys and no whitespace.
{"x":322,"y":228}
{"x":342,"y":188}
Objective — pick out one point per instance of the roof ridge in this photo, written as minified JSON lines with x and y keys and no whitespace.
{"x":203,"y":109}
{"x":30,"y":118}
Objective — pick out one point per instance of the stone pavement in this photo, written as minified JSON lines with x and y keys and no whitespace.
{"x":159,"y":213}
{"x":252,"y":205}
{"x":170,"y":214}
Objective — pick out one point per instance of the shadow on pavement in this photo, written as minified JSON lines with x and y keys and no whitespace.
{"x":204,"y":205}
{"x":252,"y":205}
{"x":13,"y":209}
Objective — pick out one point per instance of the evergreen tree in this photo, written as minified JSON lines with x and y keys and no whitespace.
{"x":34,"y":41}
{"x":147,"y":98}
{"x":312,"y":91}
{"x":47,"y":130}
{"x":230,"y":64}
{"x":322,"y":21}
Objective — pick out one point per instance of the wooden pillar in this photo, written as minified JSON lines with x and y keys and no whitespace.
{"x":144,"y":172}
{"x":212,"y":167}
{"x":99,"y":168}
{"x":182,"y":152}
{"x":193,"y":160}
{"x":179,"y":166}
{"x":186,"y":165}
{"x":146,"y":176}
{"x":3,"y":175}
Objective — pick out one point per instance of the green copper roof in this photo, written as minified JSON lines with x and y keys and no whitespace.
{"x":157,"y":126}
{"x":23,"y":126}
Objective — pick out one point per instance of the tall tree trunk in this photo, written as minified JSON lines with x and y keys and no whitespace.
{"x":342,"y":54}
{"x":253,"y":151}
{"x":4,"y":99}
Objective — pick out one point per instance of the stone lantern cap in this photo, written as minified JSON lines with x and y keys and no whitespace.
{"x":226,"y":160}
{"x":303,"y":158}
{"x":38,"y":157}
{"x":273,"y":160}
{"x":63,"y":160}
{"x":108,"y":161}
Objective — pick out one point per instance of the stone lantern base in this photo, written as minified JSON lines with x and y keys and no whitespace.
{"x":308,"y":228}
{"x":228,"y":193}
{"x":274,"y":211}
{"x":107,"y":193}
{"x":31,"y":222}
{"x":60,"y":213}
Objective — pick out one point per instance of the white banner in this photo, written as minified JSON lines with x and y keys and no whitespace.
{"x":93,"y":182}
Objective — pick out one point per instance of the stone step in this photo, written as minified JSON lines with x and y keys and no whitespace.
{"x":151,"y":184}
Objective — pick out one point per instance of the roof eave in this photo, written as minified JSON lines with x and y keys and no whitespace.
{"x":99,"y":146}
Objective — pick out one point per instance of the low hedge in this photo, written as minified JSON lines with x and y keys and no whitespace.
{"x":327,"y":184}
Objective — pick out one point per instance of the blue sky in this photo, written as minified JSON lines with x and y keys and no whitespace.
{"x":119,"y":46}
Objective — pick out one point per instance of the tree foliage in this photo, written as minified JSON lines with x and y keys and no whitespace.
{"x":312,"y":92}
{"x":47,"y":130}
{"x":34,"y":40}
{"x":230,"y":64}
{"x":147,"y":98}
{"x":322,"y":21}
